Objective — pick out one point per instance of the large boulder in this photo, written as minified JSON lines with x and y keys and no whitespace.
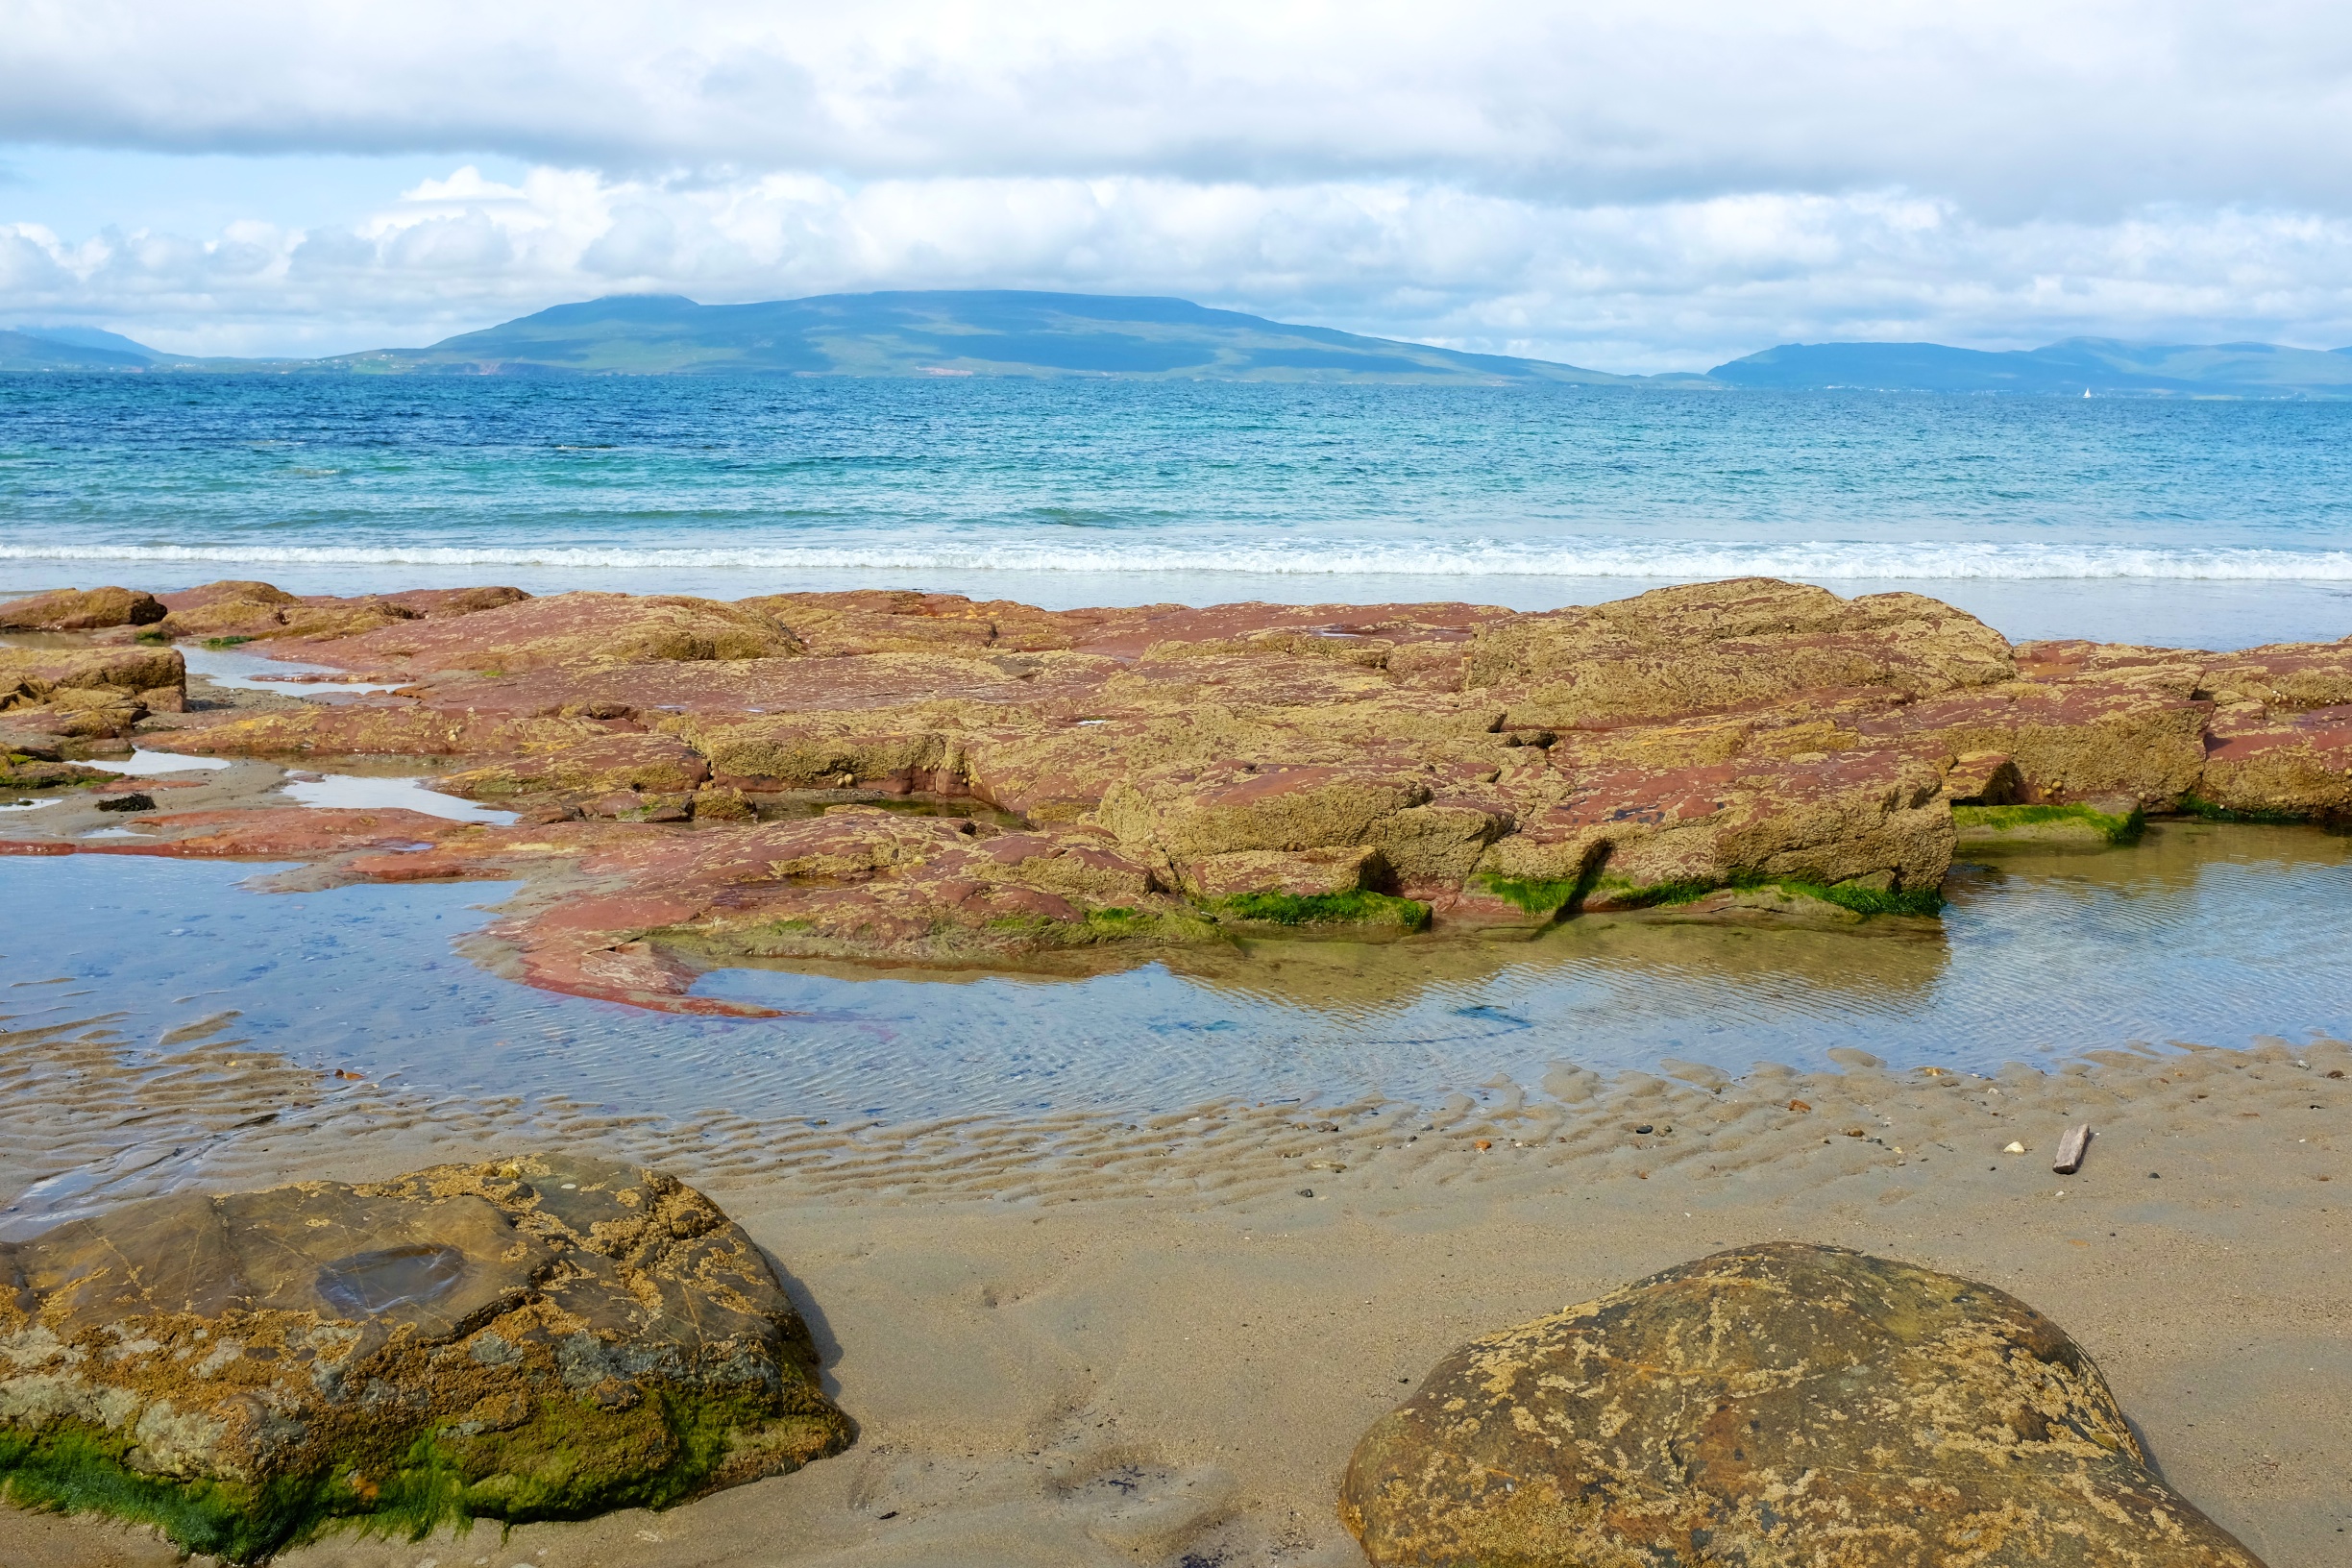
{"x":244,"y":610}
{"x":81,"y":609}
{"x":91,"y":692}
{"x":1727,"y":644}
{"x":234,"y":607}
{"x":547,"y":1337}
{"x":1779,"y":1404}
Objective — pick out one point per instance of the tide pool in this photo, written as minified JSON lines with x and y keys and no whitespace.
{"x":2210,"y":934}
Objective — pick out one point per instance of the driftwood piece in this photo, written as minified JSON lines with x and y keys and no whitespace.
{"x":2071,"y":1149}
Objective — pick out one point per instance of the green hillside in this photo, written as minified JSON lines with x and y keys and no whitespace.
{"x":2101,"y":366}
{"x":35,"y":350}
{"x":948,"y":333}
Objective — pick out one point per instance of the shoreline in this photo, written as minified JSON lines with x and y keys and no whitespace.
{"x":1086,"y":1344}
{"x":2219,"y":614}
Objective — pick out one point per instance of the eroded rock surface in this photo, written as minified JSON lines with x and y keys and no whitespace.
{"x":86,"y":692}
{"x":80,"y":609}
{"x":903,"y":777}
{"x":1776,"y":1405}
{"x":240,"y":610}
{"x":539,"y":1338}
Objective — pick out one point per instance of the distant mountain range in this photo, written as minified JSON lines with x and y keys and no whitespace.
{"x":2101,"y":366}
{"x":1007,"y":332}
{"x":72,"y":348}
{"x":944,"y":334}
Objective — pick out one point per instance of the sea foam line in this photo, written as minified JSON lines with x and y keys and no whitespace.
{"x":1823,"y":559}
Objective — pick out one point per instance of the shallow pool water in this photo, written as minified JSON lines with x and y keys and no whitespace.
{"x":2212,"y":934}
{"x":363,"y":793}
{"x":241,"y":670}
{"x":144,"y":764}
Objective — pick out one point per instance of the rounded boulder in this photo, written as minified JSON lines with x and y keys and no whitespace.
{"x":1782,"y":1403}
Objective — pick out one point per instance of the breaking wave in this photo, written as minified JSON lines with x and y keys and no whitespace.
{"x":1302,"y":556}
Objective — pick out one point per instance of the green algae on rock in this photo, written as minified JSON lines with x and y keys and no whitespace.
{"x":2053,"y":826}
{"x":1774,"y":1405}
{"x":1354,"y":910}
{"x":540,"y":1337}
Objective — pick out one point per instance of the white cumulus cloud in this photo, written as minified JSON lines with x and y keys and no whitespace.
{"x":1636,"y":186}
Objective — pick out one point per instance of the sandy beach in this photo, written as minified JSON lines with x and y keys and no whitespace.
{"x":1079,"y":1340}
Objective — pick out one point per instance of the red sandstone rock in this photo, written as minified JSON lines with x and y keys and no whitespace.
{"x":2290,"y":677}
{"x":80,"y":609}
{"x":256,"y":611}
{"x":2297,"y":763}
{"x":660,"y":763}
{"x":91,"y":692}
{"x":379,"y":727}
{"x":1727,"y":644}
{"x":566,"y":629}
{"x":1493,"y":765}
{"x":2096,"y":737}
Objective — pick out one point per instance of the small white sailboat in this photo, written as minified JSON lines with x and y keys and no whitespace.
{"x":2086,"y":393}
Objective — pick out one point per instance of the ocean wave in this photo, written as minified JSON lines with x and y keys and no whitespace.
{"x":1830,"y":560}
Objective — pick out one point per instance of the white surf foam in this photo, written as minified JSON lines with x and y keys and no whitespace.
{"x":1302,"y":556}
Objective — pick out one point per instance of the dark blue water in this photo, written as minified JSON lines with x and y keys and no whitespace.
{"x":2196,"y":513}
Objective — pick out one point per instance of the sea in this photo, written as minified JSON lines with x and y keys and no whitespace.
{"x":2215,"y":524}
{"x":2203,"y":523}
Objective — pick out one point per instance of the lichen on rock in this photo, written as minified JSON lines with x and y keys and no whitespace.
{"x":1774,"y":1405}
{"x":548,"y":1336}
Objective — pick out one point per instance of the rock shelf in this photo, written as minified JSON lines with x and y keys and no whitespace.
{"x":904,"y":778}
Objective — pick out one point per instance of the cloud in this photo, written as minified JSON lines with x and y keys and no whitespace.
{"x":1638,"y":185}
{"x":2010,"y":107}
{"x":1653,"y":286}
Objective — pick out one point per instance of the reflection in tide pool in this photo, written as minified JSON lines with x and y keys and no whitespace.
{"x":2204,"y":933}
{"x":380,"y":792}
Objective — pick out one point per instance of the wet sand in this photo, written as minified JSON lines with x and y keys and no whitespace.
{"x":1079,"y":1340}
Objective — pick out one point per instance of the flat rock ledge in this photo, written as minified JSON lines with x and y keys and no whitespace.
{"x":538,"y":1337}
{"x":1774,"y":1405}
{"x":891,"y":779}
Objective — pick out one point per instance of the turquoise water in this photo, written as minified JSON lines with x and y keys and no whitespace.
{"x":2214,"y":522}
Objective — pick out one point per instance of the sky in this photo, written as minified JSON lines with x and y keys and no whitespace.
{"x":1634,"y":187}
